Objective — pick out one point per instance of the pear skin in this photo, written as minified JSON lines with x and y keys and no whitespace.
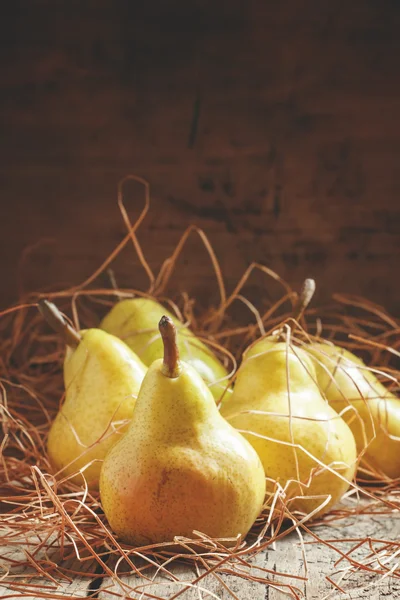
{"x":295,"y":433}
{"x":180,"y":467}
{"x":133,"y":321}
{"x":370,"y":409}
{"x":102,"y":378}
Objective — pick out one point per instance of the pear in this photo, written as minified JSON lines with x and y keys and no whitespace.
{"x":370,"y":409}
{"x":276,"y":403}
{"x":278,"y":407}
{"x":133,"y":321}
{"x":102,"y":378}
{"x":180,"y":467}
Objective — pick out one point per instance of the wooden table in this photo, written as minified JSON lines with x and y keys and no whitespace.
{"x":286,"y":557}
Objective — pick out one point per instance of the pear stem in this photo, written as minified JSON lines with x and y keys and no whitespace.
{"x":171,"y":365}
{"x":303,"y":300}
{"x":306,"y":293}
{"x":55,"y":319}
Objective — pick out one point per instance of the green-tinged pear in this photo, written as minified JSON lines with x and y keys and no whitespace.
{"x":302,"y":442}
{"x":180,"y":467}
{"x":370,"y":409}
{"x":133,"y":320}
{"x":102,"y":378}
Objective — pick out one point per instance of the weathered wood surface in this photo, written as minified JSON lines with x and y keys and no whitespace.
{"x":287,"y":557}
{"x":274,"y":126}
{"x":23,"y":581}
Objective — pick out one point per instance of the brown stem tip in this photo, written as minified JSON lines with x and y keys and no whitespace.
{"x":55,"y":319}
{"x":171,"y":365}
{"x":306,"y":293}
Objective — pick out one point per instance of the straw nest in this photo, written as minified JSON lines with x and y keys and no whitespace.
{"x":59,"y":528}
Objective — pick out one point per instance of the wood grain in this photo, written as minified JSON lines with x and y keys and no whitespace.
{"x":311,"y":561}
{"x":273,"y":127}
{"x":314,"y":562}
{"x":23,"y":581}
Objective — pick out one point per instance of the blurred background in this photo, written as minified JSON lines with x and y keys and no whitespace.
{"x":274,"y":126}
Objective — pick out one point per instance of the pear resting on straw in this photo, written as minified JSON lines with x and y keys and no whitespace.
{"x":102,"y":378}
{"x":370,"y":409}
{"x":180,"y":467}
{"x":301,"y":441}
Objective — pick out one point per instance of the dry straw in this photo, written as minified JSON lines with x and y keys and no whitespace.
{"x":57,"y":530}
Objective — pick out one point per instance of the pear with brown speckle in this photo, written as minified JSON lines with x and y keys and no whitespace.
{"x":277,"y":404}
{"x":102,"y":379}
{"x":180,"y":467}
{"x":370,"y":409}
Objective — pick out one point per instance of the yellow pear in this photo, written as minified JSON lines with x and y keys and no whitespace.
{"x":102,"y":378}
{"x":180,"y":467}
{"x":302,"y":442}
{"x":370,"y":409}
{"x":133,"y":321}
{"x":279,"y":409}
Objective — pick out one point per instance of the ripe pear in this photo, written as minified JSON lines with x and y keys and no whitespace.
{"x":374,"y":414}
{"x":102,"y":378}
{"x":133,"y":321}
{"x":293,"y":429}
{"x":180,"y":467}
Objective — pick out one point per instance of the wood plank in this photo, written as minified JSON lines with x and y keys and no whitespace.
{"x":294,"y":161}
{"x":165,"y":587}
{"x":320,"y":560}
{"x":19,"y":578}
{"x":312,"y":563}
{"x":288,"y":557}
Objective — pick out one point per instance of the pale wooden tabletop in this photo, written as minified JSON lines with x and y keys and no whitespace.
{"x":286,"y":557}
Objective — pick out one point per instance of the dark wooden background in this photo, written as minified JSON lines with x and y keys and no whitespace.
{"x":272,"y":125}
